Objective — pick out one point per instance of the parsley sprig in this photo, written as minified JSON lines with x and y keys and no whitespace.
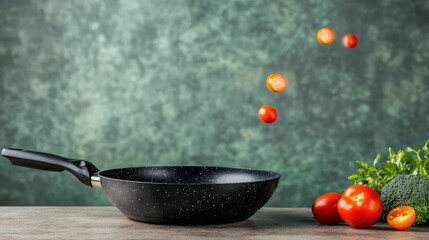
{"x":381,"y":171}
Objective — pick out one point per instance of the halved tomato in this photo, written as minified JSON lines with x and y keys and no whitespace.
{"x":325,"y":36}
{"x":276,"y":82}
{"x":402,"y":217}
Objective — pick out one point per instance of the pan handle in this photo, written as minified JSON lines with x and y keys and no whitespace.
{"x":81,"y":169}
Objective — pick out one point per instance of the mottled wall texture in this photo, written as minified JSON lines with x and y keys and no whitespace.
{"x":179,"y":82}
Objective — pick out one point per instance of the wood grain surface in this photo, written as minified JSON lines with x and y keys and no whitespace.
{"x":108,"y":223}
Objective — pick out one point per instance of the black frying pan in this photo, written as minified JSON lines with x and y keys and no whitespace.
{"x":167,"y":195}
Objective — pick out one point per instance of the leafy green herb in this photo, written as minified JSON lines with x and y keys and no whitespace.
{"x":380,"y":172}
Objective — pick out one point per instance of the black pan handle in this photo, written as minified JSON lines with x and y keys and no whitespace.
{"x":81,"y":169}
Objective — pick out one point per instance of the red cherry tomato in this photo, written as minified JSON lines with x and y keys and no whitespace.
{"x":325,"y":210}
{"x":402,"y":217}
{"x":360,"y":206}
{"x":326,"y":36}
{"x":276,"y":82}
{"x":267,"y":114}
{"x":350,"y":41}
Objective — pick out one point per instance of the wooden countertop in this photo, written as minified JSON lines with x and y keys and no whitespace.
{"x":108,"y":223}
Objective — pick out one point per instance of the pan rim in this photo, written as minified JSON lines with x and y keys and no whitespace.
{"x":276,"y":176}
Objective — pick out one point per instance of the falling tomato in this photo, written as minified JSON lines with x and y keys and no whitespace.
{"x":350,"y":41}
{"x":267,"y":114}
{"x":277,"y":82}
{"x":326,"y":36}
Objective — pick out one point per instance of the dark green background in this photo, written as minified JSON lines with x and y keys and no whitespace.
{"x":165,"y":82}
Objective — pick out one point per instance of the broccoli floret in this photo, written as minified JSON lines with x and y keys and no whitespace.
{"x":408,"y":190}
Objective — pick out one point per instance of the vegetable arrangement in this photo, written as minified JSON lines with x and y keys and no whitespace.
{"x":396,"y":189}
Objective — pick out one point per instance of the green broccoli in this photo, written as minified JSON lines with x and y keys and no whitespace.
{"x":408,"y":190}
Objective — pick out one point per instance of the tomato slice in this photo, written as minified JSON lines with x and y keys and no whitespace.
{"x":325,"y":36}
{"x":277,"y":82}
{"x":402,"y":217}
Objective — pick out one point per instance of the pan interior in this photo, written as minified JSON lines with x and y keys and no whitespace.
{"x":189,"y":175}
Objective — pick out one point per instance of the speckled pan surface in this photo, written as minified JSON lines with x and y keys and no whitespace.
{"x":188,"y":195}
{"x":189,"y":175}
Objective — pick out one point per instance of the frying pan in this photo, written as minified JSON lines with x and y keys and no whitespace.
{"x":166,"y":195}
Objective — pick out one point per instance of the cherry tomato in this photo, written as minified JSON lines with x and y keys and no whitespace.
{"x":350,"y":41}
{"x":277,"y":82}
{"x":267,"y":114}
{"x":326,"y":36}
{"x":325,"y":210}
{"x":360,"y":206}
{"x":401,"y":218}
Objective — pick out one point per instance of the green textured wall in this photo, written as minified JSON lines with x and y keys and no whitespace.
{"x":165,"y":82}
